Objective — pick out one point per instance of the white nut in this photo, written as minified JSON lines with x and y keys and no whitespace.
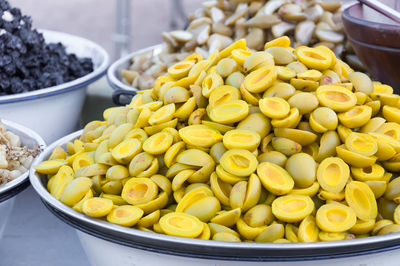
{"x":329,"y":36}
{"x":263,"y":21}
{"x":181,"y":35}
{"x":314,"y":13}
{"x":255,"y":38}
{"x":220,"y":28}
{"x":304,"y":32}
{"x":282,"y":28}
{"x":240,"y":12}
{"x":216,"y":14}
{"x":270,"y":7}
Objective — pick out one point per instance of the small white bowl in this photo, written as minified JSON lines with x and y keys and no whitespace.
{"x":30,"y":139}
{"x":55,"y":111}
{"x":114,"y":73}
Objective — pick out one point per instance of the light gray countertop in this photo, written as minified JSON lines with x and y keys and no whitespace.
{"x":35,"y":237}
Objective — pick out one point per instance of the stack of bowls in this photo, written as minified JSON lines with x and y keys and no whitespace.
{"x":375,"y":40}
{"x":7,"y":191}
{"x":55,"y":111}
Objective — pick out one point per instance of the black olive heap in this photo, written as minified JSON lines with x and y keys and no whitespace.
{"x":27,"y":62}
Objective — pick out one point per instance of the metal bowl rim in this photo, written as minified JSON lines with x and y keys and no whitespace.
{"x":68,"y":86}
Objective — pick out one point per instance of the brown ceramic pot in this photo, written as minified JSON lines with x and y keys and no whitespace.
{"x":366,"y":25}
{"x":382,"y":62}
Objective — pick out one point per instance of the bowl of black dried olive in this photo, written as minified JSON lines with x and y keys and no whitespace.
{"x":44,"y":74}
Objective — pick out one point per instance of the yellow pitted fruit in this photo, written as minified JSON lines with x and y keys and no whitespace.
{"x":308,"y":230}
{"x":308,"y":191}
{"x":361,"y":82}
{"x":125,"y":215}
{"x":241,"y":139}
{"x":285,"y":73}
{"x":256,"y":122}
{"x":200,"y":135}
{"x":328,"y":236}
{"x":335,"y":217}
{"x":240,"y":55}
{"x":271,"y":233}
{"x":323,"y":119}
{"x":257,"y":60}
{"x":248,"y":232}
{"x":361,"y":199}
{"x":97,"y":207}
{"x":239,"y":162}
{"x":227,"y":218}
{"x":181,"y":69}
{"x":229,"y":112}
{"x":302,"y":137}
{"x":275,"y":157}
{"x":305,"y":102}
{"x":274,"y":107}
{"x":361,"y":143}
{"x":282,"y":41}
{"x":227,"y":237}
{"x":374,"y":172}
{"x":228,"y":177}
{"x":223,"y":94}
{"x":226,"y":66}
{"x":281,"y":55}
{"x":393,"y":190}
{"x":126,"y":150}
{"x":356,"y":116}
{"x":139,"y":190}
{"x":82,"y":160}
{"x":211,"y":82}
{"x":50,"y":167}
{"x":282,"y":145}
{"x":235,"y":79}
{"x":291,"y":232}
{"x":292,"y":208}
{"x":336,"y":97}
{"x":143,"y":164}
{"x":285,"y":146}
{"x":333,"y":174}
{"x":75,"y":190}
{"x":362,"y":227}
{"x":162,"y":115}
{"x":181,"y":224}
{"x":259,"y":215}
{"x":158,"y":143}
{"x":301,"y":167}
{"x":289,"y":121}
{"x":280,"y":89}
{"x":274,"y":178}
{"x":59,"y":181}
{"x":314,"y":58}
{"x":354,"y":158}
{"x":261,"y":79}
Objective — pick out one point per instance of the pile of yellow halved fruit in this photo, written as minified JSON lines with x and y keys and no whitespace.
{"x":284,"y":145}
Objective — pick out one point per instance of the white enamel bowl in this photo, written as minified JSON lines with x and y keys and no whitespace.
{"x":55,"y":111}
{"x":110,"y":244}
{"x":30,"y":139}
